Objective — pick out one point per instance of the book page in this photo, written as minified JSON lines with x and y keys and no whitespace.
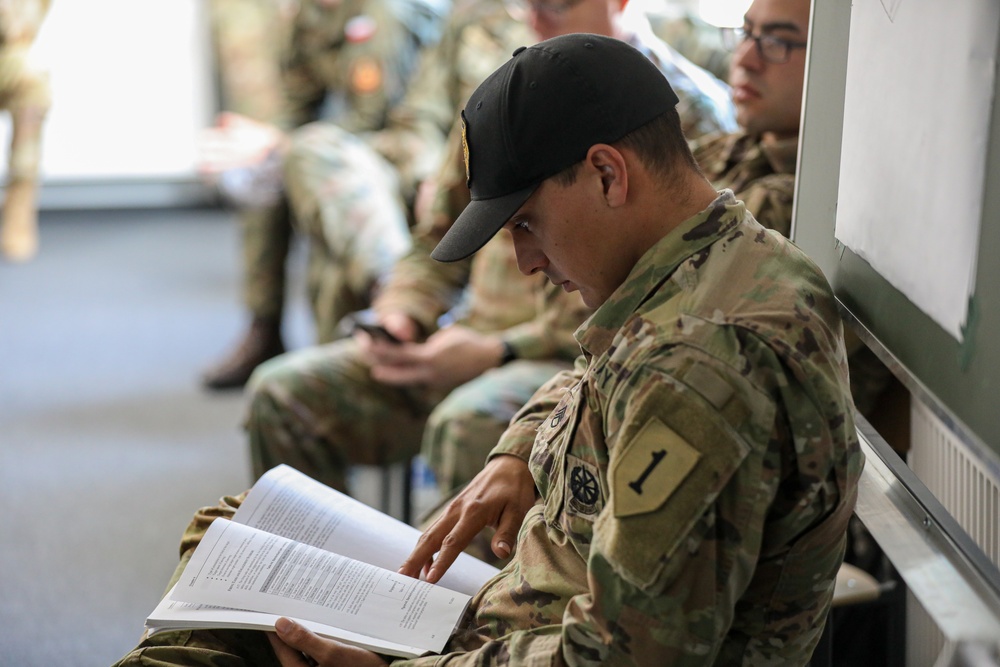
{"x":172,"y":614}
{"x":288,"y":503}
{"x":241,"y":567}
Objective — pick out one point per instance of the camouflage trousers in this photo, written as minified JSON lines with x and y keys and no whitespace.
{"x":344,"y":197}
{"x":249,"y":648}
{"x":267,"y":235}
{"x":220,"y":648}
{"x":319,"y":410}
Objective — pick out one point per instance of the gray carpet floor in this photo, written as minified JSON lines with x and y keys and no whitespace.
{"x":107,"y":443}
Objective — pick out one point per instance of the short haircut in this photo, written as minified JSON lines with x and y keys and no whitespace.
{"x":659,"y":144}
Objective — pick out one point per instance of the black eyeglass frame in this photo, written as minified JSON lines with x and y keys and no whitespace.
{"x":775,"y":50}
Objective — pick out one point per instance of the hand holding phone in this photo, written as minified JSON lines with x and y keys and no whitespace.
{"x":376,"y":331}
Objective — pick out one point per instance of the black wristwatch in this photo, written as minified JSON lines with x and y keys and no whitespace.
{"x":508,"y":355}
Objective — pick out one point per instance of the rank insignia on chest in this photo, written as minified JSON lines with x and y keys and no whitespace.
{"x":557,"y":417}
{"x":583,"y":496}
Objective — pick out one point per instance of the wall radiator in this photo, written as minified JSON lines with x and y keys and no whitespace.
{"x":967,"y":483}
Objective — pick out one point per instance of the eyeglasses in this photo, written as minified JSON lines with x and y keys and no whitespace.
{"x":770,"y":48}
{"x":518,"y":9}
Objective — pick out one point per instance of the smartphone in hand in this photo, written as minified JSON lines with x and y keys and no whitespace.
{"x":366,"y":322}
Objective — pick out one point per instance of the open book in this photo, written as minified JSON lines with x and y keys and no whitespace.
{"x":300,"y":549}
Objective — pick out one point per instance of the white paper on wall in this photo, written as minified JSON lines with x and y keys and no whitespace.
{"x":920,"y":86}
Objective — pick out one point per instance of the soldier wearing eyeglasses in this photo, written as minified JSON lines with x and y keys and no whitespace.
{"x":766,"y":74}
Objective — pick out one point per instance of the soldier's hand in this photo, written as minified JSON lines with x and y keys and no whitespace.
{"x":450,"y":357}
{"x":499,"y":496}
{"x":236,"y":141}
{"x":297,"y":646}
{"x":401,"y":326}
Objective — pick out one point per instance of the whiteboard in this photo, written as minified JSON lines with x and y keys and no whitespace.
{"x":917,"y":106}
{"x":959,"y":378}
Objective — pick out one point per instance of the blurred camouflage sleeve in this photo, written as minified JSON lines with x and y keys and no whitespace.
{"x":763,"y":177}
{"x":769,"y":200}
{"x":417,"y":128}
{"x":419,"y":286}
{"x":671,"y":600}
{"x":550,"y":334}
{"x":520,"y":434}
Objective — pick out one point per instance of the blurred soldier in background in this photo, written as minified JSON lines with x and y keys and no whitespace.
{"x":249,"y":38}
{"x":449,"y":391}
{"x":347,"y":64}
{"x":24,"y":92}
{"x":693,"y":37}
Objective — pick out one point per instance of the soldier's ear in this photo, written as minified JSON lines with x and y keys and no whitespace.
{"x":610,"y":164}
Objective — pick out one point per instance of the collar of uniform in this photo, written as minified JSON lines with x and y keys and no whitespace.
{"x":782,"y":154}
{"x":656,"y":266}
{"x":743,"y":149}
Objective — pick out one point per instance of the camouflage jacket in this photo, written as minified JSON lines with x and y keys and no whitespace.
{"x":486,"y":292}
{"x":762,"y":176}
{"x":351,"y":60}
{"x":536,"y":318}
{"x":478,"y":36}
{"x":696,"y":475}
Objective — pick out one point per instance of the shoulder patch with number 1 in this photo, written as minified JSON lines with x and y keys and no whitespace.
{"x":651,"y":468}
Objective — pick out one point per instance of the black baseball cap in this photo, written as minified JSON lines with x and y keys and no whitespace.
{"x":539,"y":114}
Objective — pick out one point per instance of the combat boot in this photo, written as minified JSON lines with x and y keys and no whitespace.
{"x":19,"y":234}
{"x":261,"y":342}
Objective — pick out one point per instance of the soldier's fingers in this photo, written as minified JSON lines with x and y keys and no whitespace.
{"x":315,"y":650}
{"x":422,"y":556}
{"x":397,"y":354}
{"x":507,"y":529}
{"x":400,"y":375}
{"x":455,"y":542}
{"x":519,"y":501}
{"x":401,"y":326}
{"x":287,"y":656}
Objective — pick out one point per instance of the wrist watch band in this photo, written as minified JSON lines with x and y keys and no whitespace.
{"x":508,"y":355}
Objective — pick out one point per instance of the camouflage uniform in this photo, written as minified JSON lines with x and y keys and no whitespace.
{"x":24,"y":92}
{"x":349,"y":62}
{"x":318,"y":409}
{"x":763,"y":176}
{"x":456,"y":441}
{"x":354,"y":194}
{"x":704,"y":102}
{"x":248,"y":38}
{"x":745,"y":392}
{"x":698,"y":41}
{"x":311,"y":386}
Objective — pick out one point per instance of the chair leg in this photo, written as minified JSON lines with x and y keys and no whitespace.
{"x":408,"y":492}
{"x":823,"y":655}
{"x":386,"y":489}
{"x":407,"y":489}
